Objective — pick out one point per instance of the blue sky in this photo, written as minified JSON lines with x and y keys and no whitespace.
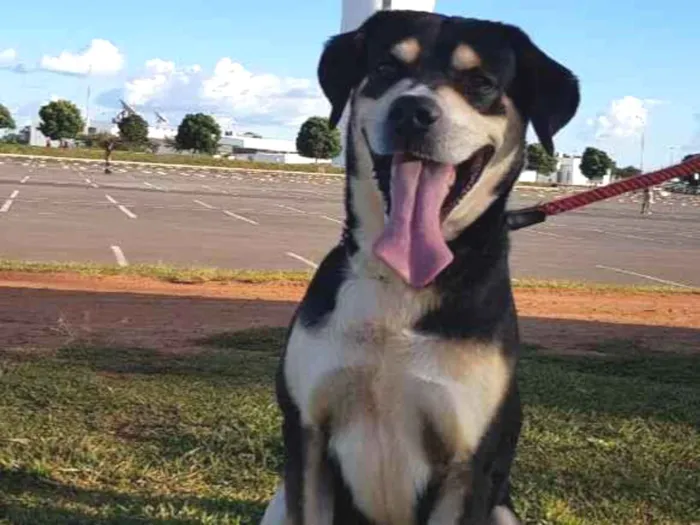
{"x":253,"y":63}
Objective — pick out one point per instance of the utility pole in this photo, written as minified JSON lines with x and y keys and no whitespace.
{"x":87,"y":102}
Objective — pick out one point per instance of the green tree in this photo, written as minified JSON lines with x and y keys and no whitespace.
{"x":133,"y":131}
{"x":316,"y":139}
{"x":595,"y":163}
{"x":98,"y":140}
{"x":6,"y":120}
{"x":539,"y":160}
{"x":60,"y":120}
{"x":624,"y":173}
{"x":198,"y":132}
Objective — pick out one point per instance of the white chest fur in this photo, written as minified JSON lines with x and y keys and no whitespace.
{"x":378,"y":382}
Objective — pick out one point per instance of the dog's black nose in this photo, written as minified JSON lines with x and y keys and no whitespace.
{"x":414,"y":114}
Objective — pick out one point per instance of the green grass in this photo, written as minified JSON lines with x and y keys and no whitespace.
{"x":190,"y":160}
{"x":127,"y":435}
{"x":194,"y":275}
{"x":160,"y":272}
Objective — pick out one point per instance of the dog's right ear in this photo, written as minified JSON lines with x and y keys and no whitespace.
{"x":341,"y":68}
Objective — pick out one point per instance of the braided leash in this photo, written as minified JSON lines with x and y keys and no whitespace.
{"x":529,"y":216}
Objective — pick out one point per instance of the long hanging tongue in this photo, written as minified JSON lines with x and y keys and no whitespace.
{"x":412,"y":243}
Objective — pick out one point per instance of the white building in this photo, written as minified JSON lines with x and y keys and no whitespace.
{"x":568,"y":173}
{"x":258,"y":149}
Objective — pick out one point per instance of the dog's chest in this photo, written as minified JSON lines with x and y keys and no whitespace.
{"x":368,"y":356}
{"x":379,"y":385}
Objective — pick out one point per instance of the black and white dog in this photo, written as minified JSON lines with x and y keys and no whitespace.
{"x":397,"y":383}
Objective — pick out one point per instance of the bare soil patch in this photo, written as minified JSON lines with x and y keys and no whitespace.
{"x":40,"y":311}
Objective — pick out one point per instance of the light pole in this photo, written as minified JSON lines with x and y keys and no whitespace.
{"x":642,"y":121}
{"x":672,"y":154}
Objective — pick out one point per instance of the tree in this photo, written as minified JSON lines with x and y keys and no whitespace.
{"x":625,"y":173}
{"x":98,"y":140}
{"x":133,"y":130}
{"x":595,"y":163}
{"x":6,"y":120}
{"x":60,"y":120}
{"x":198,"y":132}
{"x":539,"y":160}
{"x":316,"y":139}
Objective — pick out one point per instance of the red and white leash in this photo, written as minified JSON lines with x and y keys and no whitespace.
{"x":529,"y":216}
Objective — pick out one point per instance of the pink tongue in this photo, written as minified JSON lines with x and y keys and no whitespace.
{"x":412,"y":243}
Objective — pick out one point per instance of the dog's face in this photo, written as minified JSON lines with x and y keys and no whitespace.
{"x":440,"y":107}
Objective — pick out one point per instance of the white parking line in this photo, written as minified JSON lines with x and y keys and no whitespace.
{"x":127,"y":211}
{"x":153,"y":186}
{"x":25,"y":179}
{"x":291,"y":209}
{"x":643,"y":276}
{"x":331,"y":219}
{"x":8,"y":203}
{"x":239,"y":217}
{"x":548,"y":234}
{"x":119,"y":255}
{"x":302,"y":259}
{"x":209,"y":206}
{"x":626,"y":236}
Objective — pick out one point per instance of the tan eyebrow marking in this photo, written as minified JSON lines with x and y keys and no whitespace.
{"x":464,"y":57}
{"x":407,"y":50}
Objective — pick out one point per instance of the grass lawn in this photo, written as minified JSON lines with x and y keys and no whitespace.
{"x":204,"y":161}
{"x":127,"y":435}
{"x":200,"y":275}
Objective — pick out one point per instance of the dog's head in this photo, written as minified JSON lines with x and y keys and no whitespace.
{"x":439,"y":107}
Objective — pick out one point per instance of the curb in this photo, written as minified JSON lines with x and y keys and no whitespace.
{"x":169,"y":165}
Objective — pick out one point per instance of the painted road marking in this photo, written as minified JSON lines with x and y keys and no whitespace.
{"x":626,"y":236}
{"x":331,"y":219}
{"x":643,"y":276}
{"x":25,"y":179}
{"x":302,"y":259}
{"x":153,"y":186}
{"x":8,"y":203}
{"x":205,"y":186}
{"x":209,"y":206}
{"x":239,"y":217}
{"x":119,"y":255}
{"x":296,"y":210}
{"x":548,"y":234}
{"x":126,"y":211}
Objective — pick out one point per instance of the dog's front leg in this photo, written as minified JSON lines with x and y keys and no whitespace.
{"x":317,"y":491}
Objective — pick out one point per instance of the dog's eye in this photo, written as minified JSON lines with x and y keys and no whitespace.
{"x":481,"y":81}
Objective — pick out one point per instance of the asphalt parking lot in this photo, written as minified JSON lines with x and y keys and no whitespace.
{"x":71,"y":211}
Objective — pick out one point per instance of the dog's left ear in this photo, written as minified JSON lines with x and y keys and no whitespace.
{"x":340,"y":69}
{"x":549,"y":92}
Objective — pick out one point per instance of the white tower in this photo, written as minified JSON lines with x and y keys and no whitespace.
{"x":357,"y":11}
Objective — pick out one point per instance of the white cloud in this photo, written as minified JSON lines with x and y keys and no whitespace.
{"x":625,"y":117}
{"x":229,"y":92}
{"x":101,"y":57}
{"x":7,"y":56}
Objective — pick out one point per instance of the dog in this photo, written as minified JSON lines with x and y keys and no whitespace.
{"x":397,"y":387}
